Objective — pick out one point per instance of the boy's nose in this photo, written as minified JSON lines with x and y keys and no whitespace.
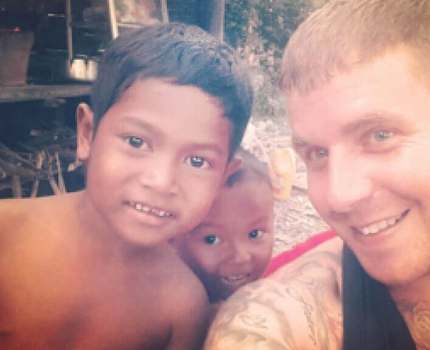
{"x":240,"y":254}
{"x":159,"y":175}
{"x":349,"y":183}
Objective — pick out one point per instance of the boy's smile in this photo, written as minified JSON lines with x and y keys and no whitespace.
{"x":233,"y":245}
{"x":365,"y":137}
{"x":156,"y":160}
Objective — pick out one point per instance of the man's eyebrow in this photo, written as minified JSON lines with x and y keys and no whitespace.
{"x":297,"y":142}
{"x":369,"y":120}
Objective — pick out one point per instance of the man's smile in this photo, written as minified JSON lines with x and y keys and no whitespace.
{"x":381,"y":225}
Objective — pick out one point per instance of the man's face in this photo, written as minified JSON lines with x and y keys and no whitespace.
{"x":233,"y":245}
{"x":365,"y":138}
{"x":156,"y":161}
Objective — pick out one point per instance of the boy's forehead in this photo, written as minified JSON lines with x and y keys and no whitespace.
{"x":255,"y":198}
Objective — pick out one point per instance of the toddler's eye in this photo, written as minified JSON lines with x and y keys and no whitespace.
{"x":256,"y":234}
{"x":135,"y":141}
{"x":211,"y":239}
{"x":197,"y":162}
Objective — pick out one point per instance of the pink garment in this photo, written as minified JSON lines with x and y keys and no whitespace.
{"x":300,"y":249}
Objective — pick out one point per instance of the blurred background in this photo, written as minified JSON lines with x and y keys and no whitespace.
{"x":49,"y":50}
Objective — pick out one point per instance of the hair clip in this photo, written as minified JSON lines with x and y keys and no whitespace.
{"x":281,"y":162}
{"x":282,"y":169}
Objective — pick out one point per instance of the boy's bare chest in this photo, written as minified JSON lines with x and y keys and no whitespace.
{"x":79,"y":311}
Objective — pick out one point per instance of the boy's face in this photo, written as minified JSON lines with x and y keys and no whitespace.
{"x":156,"y":161}
{"x":233,"y":245}
{"x":365,"y":137}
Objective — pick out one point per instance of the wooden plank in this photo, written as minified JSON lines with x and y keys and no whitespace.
{"x":42,"y":92}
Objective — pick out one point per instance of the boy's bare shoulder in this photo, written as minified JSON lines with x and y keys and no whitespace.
{"x":28,"y":216}
{"x":298,"y":307}
{"x":182,"y":301}
{"x":14,"y":215}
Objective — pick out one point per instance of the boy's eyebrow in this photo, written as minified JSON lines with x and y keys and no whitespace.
{"x":130,"y":120}
{"x":260,"y":220}
{"x":138,"y":122}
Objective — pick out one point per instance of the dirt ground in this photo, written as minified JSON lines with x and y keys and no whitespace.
{"x":295,"y":219}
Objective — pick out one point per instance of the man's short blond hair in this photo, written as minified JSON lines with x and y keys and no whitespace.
{"x":345,"y":33}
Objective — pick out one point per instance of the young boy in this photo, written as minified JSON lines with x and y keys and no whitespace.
{"x":93,"y":270}
{"x":233,"y":245}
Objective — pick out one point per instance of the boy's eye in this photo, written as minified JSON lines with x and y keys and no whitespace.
{"x":211,"y":239}
{"x":197,"y":162}
{"x":135,"y":141}
{"x":256,"y":234}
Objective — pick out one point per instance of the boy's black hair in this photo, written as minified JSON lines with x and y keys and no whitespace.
{"x":183,"y":54}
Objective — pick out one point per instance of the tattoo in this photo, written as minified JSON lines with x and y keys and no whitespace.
{"x":257,"y":316}
{"x":250,"y":319}
{"x":417,"y":316}
{"x":309,"y":289}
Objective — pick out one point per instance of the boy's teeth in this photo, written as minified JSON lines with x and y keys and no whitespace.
{"x":379,"y":226}
{"x":234,"y":278}
{"x":144,"y":208}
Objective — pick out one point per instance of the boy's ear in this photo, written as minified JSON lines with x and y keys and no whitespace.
{"x":233,"y":165}
{"x":85,"y":127}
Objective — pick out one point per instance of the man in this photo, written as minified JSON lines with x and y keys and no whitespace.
{"x":356,"y":76}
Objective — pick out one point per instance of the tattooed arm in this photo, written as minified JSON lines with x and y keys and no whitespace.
{"x":417,"y":317}
{"x":297,"y":308}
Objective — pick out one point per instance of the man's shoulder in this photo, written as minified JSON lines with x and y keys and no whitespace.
{"x":322,"y":264}
{"x":297,"y":307}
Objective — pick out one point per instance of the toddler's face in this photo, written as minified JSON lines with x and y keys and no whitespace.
{"x":233,"y":245}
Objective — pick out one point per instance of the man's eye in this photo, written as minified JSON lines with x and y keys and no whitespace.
{"x":197,"y":162}
{"x":256,"y":234}
{"x":211,"y":239}
{"x":315,"y":157}
{"x":382,"y":135}
{"x":317,"y":153}
{"x":135,"y":141}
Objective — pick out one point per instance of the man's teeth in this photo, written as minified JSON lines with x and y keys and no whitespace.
{"x":379,"y":226}
{"x":146,"y":209}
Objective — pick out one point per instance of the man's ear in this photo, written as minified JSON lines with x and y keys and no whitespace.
{"x":233,"y":165}
{"x":85,"y":129}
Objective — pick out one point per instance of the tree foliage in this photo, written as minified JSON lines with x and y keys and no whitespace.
{"x":260,"y":30}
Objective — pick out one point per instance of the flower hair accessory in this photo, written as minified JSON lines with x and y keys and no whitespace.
{"x":281,"y":162}
{"x":282,"y":167}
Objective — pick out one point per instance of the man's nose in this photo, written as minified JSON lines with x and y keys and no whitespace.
{"x":349,"y":182}
{"x":159,"y":173}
